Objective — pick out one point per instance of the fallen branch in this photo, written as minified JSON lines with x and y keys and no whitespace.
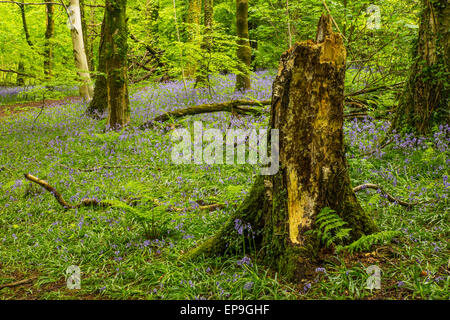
{"x":104,"y":168}
{"x":93,"y":202}
{"x":234,"y":106}
{"x":209,"y":207}
{"x":18,"y":73}
{"x":17,"y":283}
{"x":60,"y":199}
{"x":389,"y":197}
{"x":380,"y":88}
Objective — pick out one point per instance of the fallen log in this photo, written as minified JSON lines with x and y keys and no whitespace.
{"x":234,"y":106}
{"x":60,"y":199}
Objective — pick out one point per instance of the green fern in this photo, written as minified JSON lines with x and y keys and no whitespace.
{"x":366,"y":242}
{"x":330,"y":228}
{"x":155,"y":221}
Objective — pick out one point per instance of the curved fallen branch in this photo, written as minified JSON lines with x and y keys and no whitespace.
{"x":95,"y":203}
{"x":389,"y":197}
{"x":60,"y":199}
{"x":17,"y":283}
{"x":234,"y":106}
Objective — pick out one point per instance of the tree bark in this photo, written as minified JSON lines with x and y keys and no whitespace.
{"x":244,"y":49}
{"x":116,"y":49}
{"x":425,"y":101}
{"x":86,"y":40}
{"x":193,"y":30}
{"x":86,"y":88}
{"x":25,"y":25}
{"x":99,"y":103}
{"x":49,"y":33}
{"x":203,"y":74}
{"x":21,"y":67}
{"x":307,"y":109}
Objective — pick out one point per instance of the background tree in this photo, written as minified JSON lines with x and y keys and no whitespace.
{"x":87,"y":43}
{"x":425,"y":100}
{"x":86,"y":88}
{"x":21,"y":67}
{"x":208,"y":14}
{"x":49,"y":33}
{"x":193,"y":17}
{"x":99,"y":102}
{"x":116,"y":50}
{"x":244,"y":50}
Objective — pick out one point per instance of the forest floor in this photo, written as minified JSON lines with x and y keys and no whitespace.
{"x":10,"y":109}
{"x":131,"y":249}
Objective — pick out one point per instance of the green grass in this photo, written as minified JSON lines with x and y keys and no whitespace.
{"x":38,"y":237}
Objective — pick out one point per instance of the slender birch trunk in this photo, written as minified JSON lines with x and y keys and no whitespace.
{"x":86,"y":88}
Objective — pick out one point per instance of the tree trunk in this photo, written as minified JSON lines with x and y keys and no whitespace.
{"x":425,"y":101}
{"x":307,"y":109}
{"x":244,"y":51}
{"x":21,"y":67}
{"x":203,"y":74}
{"x":87,"y":45}
{"x":24,"y":22}
{"x":49,"y":33}
{"x":151,"y":21}
{"x":193,"y":30}
{"x":116,"y":49}
{"x":20,"y":80}
{"x":86,"y":88}
{"x":99,"y":103}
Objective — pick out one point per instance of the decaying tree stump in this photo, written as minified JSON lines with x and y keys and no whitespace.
{"x":307,"y":109}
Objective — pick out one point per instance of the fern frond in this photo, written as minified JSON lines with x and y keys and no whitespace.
{"x":366,"y":242}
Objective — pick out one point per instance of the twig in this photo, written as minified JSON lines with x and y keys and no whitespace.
{"x":18,"y":73}
{"x":103,"y":168}
{"x":368,"y":90}
{"x":17,"y":283}
{"x":332,"y":19}
{"x":389,"y":197}
{"x":60,"y":199}
{"x":32,"y":3}
{"x":40,"y":112}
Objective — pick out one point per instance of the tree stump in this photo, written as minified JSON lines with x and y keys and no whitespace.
{"x":307,"y":109}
